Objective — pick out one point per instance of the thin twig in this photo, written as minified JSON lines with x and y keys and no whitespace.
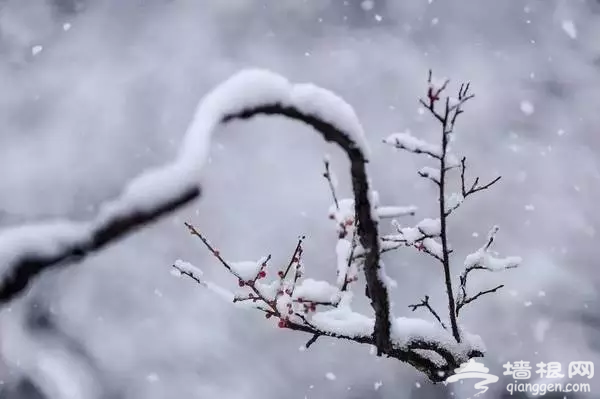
{"x":425,"y":304}
{"x":295,"y":255}
{"x":475,"y":187}
{"x":312,"y":341}
{"x":327,"y":175}
{"x":468,"y":300}
{"x":214,"y":251}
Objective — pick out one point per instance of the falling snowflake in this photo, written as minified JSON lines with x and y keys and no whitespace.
{"x":35,"y":50}
{"x":569,"y":27}
{"x":527,"y":108}
{"x":367,"y":5}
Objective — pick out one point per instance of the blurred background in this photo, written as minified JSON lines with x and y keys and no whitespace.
{"x":94,"y":91}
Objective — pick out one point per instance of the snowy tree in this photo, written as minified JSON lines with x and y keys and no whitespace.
{"x":323,"y":309}
{"x":319,"y":308}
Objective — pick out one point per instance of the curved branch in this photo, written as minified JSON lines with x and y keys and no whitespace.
{"x":32,"y":258}
{"x":367,"y":225}
{"x":26,"y":252}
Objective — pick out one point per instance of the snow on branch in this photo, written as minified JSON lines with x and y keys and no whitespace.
{"x":430,"y":173}
{"x":296,"y":302}
{"x":324,"y":310}
{"x":385,"y":212}
{"x":434,"y":241}
{"x":482,"y":259}
{"x":27,"y":251}
{"x":336,"y":122}
{"x":408,"y":142}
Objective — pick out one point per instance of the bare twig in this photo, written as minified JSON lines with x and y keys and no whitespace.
{"x":468,"y":300}
{"x":327,"y":175}
{"x":295,"y":257}
{"x":350,"y":260}
{"x":474,"y":188}
{"x":312,"y":341}
{"x":425,"y":304}
{"x":215,"y":252}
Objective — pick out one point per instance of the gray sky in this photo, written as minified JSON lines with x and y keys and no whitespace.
{"x":112,"y":91}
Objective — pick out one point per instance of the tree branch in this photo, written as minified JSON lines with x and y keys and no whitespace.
{"x":367,"y":229}
{"x":482,"y":260}
{"x":475,"y":187}
{"x":425,"y":303}
{"x":447,"y":120}
{"x":78,"y":240}
{"x":327,"y":175}
{"x":466,"y":300}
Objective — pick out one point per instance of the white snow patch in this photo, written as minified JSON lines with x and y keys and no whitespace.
{"x":247,"y":270}
{"x":316,"y":291}
{"x":344,"y":321}
{"x":407,"y":141}
{"x":396,"y":211}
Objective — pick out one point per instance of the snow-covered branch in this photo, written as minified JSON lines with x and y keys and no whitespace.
{"x":26,"y":251}
{"x":422,"y":237}
{"x":427,"y":241}
{"x":321,"y":309}
{"x":302,"y":304}
{"x":483,"y":259}
{"x":408,"y":142}
{"x":336,"y":122}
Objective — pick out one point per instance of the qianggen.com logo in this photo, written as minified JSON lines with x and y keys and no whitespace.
{"x":521,"y":372}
